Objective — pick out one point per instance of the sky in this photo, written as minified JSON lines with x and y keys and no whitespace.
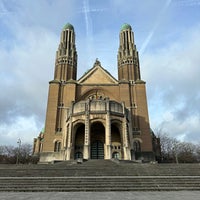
{"x":167,"y":36}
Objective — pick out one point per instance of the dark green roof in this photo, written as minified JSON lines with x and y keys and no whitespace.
{"x":68,"y":26}
{"x":43,"y":129}
{"x":125,"y":27}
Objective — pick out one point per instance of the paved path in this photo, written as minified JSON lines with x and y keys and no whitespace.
{"x":93,"y":177}
{"x":181,"y":195}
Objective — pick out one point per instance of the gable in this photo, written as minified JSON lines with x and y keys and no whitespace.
{"x":97,"y":75}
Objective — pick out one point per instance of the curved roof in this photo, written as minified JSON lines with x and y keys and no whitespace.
{"x":68,"y":26}
{"x":125,"y":27}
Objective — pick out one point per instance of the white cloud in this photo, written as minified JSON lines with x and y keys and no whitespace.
{"x":21,"y":127}
{"x":29,"y":38}
{"x":172,"y":75}
{"x":27,"y":68}
{"x":188,"y":2}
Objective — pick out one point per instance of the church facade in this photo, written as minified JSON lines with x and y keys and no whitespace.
{"x":96,"y":116}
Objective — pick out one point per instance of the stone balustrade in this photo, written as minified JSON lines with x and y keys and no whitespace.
{"x":98,"y":106}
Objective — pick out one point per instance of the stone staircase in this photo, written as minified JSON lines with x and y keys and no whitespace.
{"x":99,"y":175}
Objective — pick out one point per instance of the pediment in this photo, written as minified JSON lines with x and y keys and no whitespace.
{"x":97,"y":75}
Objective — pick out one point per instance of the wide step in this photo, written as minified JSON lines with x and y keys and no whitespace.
{"x":99,"y":175}
{"x":34,"y":184}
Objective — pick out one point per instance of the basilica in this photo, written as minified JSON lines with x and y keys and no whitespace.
{"x":96,"y":116}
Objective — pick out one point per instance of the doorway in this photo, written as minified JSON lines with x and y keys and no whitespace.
{"x":97,"y":140}
{"x":97,"y":150}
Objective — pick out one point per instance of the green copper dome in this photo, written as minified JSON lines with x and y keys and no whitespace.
{"x":68,"y":26}
{"x":125,"y":27}
{"x":43,"y":129}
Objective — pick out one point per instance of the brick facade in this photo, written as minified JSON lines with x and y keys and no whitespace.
{"x":97,"y":116}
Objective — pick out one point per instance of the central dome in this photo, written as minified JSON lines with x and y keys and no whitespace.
{"x":68,"y":26}
{"x":125,"y":27}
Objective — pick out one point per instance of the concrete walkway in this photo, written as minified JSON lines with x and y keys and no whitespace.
{"x":181,"y":195}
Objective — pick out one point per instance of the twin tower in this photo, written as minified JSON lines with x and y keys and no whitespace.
{"x":96,"y":116}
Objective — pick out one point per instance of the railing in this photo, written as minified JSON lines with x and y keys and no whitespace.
{"x":98,"y":106}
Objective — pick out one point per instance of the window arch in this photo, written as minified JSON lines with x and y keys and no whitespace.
{"x":137,"y":146}
{"x":57,"y":146}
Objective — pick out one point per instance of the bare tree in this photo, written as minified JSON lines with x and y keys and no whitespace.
{"x":198,"y":152}
{"x":169,"y":147}
{"x":173,"y":150}
{"x":187,"y":152}
{"x":13,"y":155}
{"x":25,"y":153}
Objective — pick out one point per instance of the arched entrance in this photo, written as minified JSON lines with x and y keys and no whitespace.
{"x":97,"y":140}
{"x":137,"y":149}
{"x":79,"y":141}
{"x":116,"y":141}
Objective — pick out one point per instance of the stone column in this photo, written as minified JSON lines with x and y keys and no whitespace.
{"x":65,"y":132}
{"x":108,"y":153}
{"x":130,"y":135}
{"x":86,"y":148}
{"x":125,"y":140}
{"x":69,"y":141}
{"x":69,"y":136}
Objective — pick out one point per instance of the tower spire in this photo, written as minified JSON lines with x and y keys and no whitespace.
{"x":128,"y":60}
{"x":66,"y":55}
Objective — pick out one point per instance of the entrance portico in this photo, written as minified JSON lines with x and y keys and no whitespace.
{"x":99,"y":133}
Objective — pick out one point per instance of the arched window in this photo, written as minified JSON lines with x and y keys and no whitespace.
{"x":57,"y":146}
{"x":137,"y":146}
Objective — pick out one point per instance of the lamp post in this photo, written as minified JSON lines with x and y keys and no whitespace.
{"x":18,"y":152}
{"x":176,"y":154}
